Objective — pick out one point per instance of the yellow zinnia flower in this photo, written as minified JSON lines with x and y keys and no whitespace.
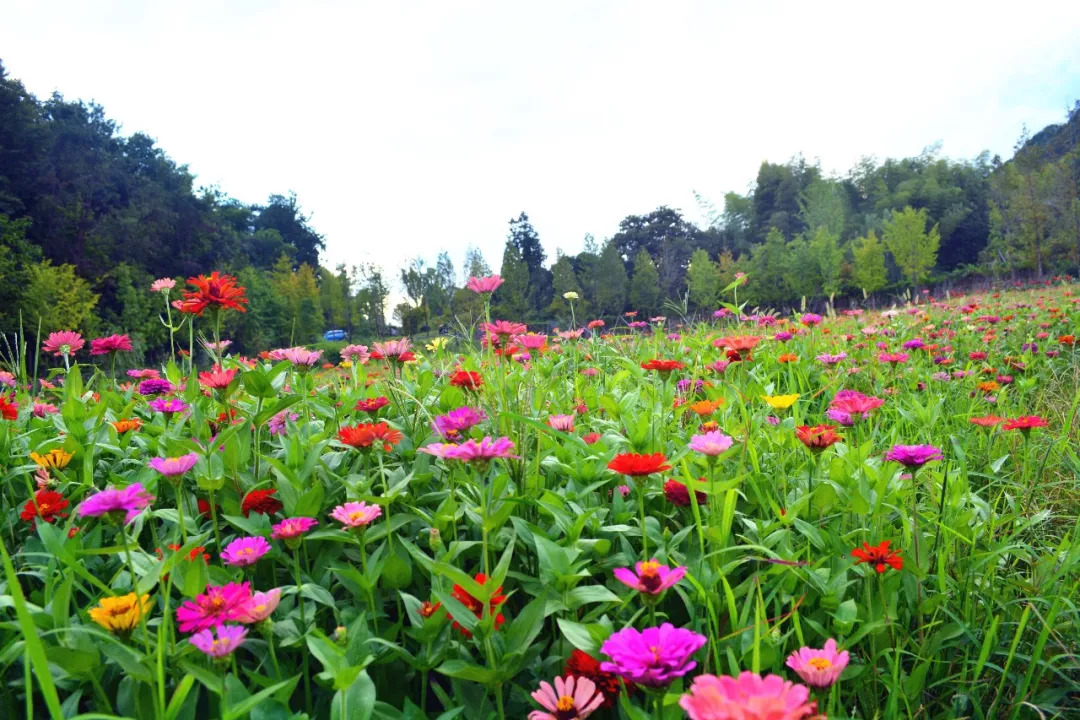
{"x":119,"y":614}
{"x":55,"y":458}
{"x":437,"y":344}
{"x":780,"y":402}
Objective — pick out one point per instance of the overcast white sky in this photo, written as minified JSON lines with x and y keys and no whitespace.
{"x":407,"y":127}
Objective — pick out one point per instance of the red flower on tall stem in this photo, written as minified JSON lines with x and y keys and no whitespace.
{"x":365,"y":435}
{"x":47,"y":505}
{"x":1025,"y":423}
{"x":662,"y":366}
{"x":636,"y":465}
{"x":476,"y":607}
{"x":214,"y":291}
{"x":880,"y":556}
{"x":466,"y":379}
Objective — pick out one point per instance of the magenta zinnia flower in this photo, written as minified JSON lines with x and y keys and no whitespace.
{"x":819,"y":668}
{"x":458,"y":421}
{"x":110,"y":344}
{"x":652,"y":657}
{"x":261,"y":606}
{"x":155,"y":386}
{"x":356,"y":514}
{"x":914,"y":456}
{"x":169,"y":406}
{"x":130,"y":501}
{"x":485,"y":284}
{"x":229,"y":637}
{"x":219,"y":604}
{"x":852,"y":403}
{"x":572,"y":697}
{"x":65,"y":342}
{"x":650,"y":577}
{"x":174,"y":466}
{"x":747,"y":697}
{"x":245,"y":551}
{"x":291,"y":528}
{"x":711,"y":443}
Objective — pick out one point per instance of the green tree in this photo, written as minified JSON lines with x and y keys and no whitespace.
{"x":830,"y":259}
{"x":869,"y":271}
{"x":611,"y":281}
{"x":913,"y":249}
{"x":17,"y":256}
{"x":511,"y":299}
{"x":565,"y":280}
{"x":62,"y":299}
{"x":768,"y":284}
{"x":703,"y":281}
{"x":645,"y":292}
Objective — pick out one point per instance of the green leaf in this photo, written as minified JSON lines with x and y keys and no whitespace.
{"x":357,"y":702}
{"x":587,"y":594}
{"x":243,"y":708}
{"x":466,"y":671}
{"x":176,"y":702}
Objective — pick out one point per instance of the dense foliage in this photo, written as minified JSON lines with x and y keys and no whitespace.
{"x":757,"y":516}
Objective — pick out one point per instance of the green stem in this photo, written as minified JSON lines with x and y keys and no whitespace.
{"x":224,"y":696}
{"x":180,"y":511}
{"x":641,"y":515}
{"x":303,"y":622}
{"x":135,"y":589}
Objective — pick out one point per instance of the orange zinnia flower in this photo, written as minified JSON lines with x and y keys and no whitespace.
{"x":705,"y":407}
{"x":788,"y":358}
{"x":365,"y":435}
{"x":124,"y":425}
{"x":215,"y":291}
{"x":817,"y":437}
{"x":636,"y":465}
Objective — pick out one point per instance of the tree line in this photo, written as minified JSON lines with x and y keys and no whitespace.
{"x":89,"y":218}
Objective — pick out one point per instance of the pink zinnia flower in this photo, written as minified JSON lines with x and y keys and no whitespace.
{"x":291,"y":528}
{"x":819,"y":668}
{"x":245,"y":551}
{"x":229,"y":637}
{"x":277,"y":423}
{"x":174,"y":466}
{"x":110,"y":501}
{"x":747,"y":697}
{"x":471,"y":450}
{"x":652,"y":657}
{"x":216,"y":378}
{"x":110,"y":344}
{"x":298,"y":356}
{"x":261,"y":606}
{"x":854,"y":403}
{"x":162,"y":285}
{"x":356,"y":514}
{"x":393,"y":349}
{"x":43,"y":409}
{"x":650,"y":577}
{"x":65,"y":342}
{"x":531,"y":341}
{"x":357,"y":354}
{"x":504,"y":327}
{"x":712,"y":443}
{"x":485,"y":284}
{"x":562,"y":423}
{"x":572,"y":697}
{"x":219,"y":604}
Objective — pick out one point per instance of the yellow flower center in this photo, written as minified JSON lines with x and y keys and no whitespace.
{"x":356,"y":516}
{"x":565,"y":704}
{"x":819,"y":663}
{"x":649,"y":569}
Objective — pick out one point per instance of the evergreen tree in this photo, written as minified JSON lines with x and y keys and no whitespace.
{"x":511,"y":300}
{"x":645,"y":293}
{"x":830,"y":259}
{"x":565,"y":280}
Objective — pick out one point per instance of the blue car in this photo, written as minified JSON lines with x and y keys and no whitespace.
{"x":334,"y":335}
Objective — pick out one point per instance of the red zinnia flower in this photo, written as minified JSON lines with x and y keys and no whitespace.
{"x":216,"y":378}
{"x":47,"y":505}
{"x":880,"y":556}
{"x":636,"y":465}
{"x":678,"y":495}
{"x":215,"y":291}
{"x":466,"y":379}
{"x":662,"y":366}
{"x":365,"y":435}
{"x":986,"y":420}
{"x":590,"y":438}
{"x":1025,"y":423}
{"x":262,"y":502}
{"x":817,"y":437}
{"x":372,"y":405}
{"x":477,"y":607}
{"x":204,"y":508}
{"x":581,"y":664}
{"x":9,"y":409}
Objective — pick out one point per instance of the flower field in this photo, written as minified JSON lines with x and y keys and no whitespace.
{"x":757,"y":517}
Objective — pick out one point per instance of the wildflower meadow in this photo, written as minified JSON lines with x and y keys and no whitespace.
{"x":757,"y":516}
